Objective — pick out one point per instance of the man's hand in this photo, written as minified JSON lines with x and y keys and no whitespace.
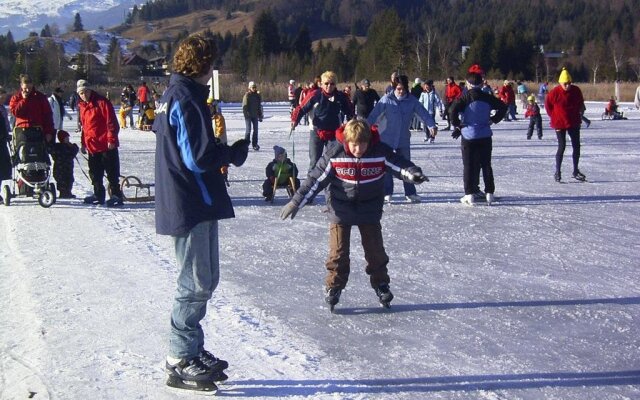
{"x":111,"y":146}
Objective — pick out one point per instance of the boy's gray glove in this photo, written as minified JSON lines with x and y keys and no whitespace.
{"x":416,"y":175}
{"x":456,"y":133}
{"x":239,"y":152}
{"x":290,"y":209}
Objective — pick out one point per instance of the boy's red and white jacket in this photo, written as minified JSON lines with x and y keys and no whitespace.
{"x":355,"y":186}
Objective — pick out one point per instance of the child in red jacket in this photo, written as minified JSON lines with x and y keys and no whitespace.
{"x":533,"y":112}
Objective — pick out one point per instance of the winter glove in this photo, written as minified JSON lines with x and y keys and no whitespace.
{"x":83,"y":150}
{"x":456,"y":133}
{"x":239,"y":152}
{"x":290,"y":209}
{"x":416,"y":175}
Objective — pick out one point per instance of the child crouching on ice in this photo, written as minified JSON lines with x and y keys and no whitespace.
{"x":533,"y":112}
{"x":353,"y":171}
{"x":63,"y":154}
{"x":281,"y":172}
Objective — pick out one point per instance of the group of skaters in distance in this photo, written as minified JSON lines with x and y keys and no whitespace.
{"x":31,"y":110}
{"x":355,"y":153}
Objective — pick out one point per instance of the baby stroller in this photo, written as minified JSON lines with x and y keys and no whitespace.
{"x":31,"y":168}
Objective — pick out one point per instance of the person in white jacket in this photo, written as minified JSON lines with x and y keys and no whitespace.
{"x":636,"y":99}
{"x":57,"y":108}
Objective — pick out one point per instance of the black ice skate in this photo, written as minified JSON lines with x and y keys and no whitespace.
{"x":190,"y":374}
{"x":332,"y":297}
{"x":579,"y":176}
{"x":384,"y":294}
{"x":216,"y":365}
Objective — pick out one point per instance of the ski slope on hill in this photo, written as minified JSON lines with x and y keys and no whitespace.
{"x":535,"y":297}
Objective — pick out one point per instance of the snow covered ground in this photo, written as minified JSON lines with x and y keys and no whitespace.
{"x":535,"y":297}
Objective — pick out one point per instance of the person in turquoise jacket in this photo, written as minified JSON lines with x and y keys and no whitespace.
{"x":393,"y":115}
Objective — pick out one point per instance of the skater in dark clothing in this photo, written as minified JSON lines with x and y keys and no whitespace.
{"x":365,"y":99}
{"x":565,"y":105}
{"x":535,"y":121}
{"x":63,"y":154}
{"x":191,"y":198}
{"x":326,"y":105}
{"x":471,"y":117}
{"x":281,"y":172}
{"x":353,"y":172}
{"x":5,"y":158}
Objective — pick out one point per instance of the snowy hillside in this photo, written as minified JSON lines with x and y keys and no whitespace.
{"x":24,"y":16}
{"x":535,"y":297}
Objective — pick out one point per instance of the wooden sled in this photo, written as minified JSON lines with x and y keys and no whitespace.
{"x":134,"y":190}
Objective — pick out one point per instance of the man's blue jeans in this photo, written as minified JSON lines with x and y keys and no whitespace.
{"x":197,"y":256}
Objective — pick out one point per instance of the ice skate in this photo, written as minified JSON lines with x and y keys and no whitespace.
{"x":332,"y":297}
{"x":384,"y":295}
{"x":579,"y":176}
{"x":467,"y":199}
{"x":190,"y":374}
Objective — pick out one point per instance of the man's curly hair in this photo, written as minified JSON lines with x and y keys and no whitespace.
{"x":194,"y":56}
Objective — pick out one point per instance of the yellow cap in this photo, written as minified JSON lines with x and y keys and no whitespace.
{"x":210,"y":100}
{"x":564,"y":76}
{"x":531,"y":99}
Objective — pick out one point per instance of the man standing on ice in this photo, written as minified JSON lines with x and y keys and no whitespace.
{"x":191,"y":196}
{"x":565,"y":105}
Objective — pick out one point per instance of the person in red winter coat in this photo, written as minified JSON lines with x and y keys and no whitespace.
{"x":508,"y":97}
{"x":451,"y":93}
{"x":564,"y":105}
{"x":32,"y":110}
{"x":100,"y":130}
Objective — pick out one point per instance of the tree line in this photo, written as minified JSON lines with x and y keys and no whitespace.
{"x":597,"y":41}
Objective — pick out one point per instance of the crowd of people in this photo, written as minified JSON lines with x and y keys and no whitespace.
{"x":358,"y":144}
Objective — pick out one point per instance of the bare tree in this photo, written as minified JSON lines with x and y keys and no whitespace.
{"x":593,"y":54}
{"x":447,"y":49}
{"x":617,"y":49}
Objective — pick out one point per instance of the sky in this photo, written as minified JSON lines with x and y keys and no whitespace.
{"x":534,"y":297}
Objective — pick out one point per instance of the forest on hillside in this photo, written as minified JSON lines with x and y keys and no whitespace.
{"x":598,"y":41}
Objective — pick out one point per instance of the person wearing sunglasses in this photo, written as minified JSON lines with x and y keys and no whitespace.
{"x":326,"y":104}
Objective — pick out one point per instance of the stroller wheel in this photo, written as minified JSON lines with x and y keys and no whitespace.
{"x":6,"y":195}
{"x":46,"y":198}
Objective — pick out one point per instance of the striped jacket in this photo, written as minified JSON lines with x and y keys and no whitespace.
{"x":355,"y":192}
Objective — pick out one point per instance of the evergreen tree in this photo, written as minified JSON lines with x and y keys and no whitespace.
{"x":265,"y":39}
{"x":46,"y":31}
{"x":77,"y":23}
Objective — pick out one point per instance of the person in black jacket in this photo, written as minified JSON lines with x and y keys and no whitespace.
{"x":326,"y":104}
{"x":353,"y":171}
{"x":365,"y":99}
{"x":191,"y":196}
